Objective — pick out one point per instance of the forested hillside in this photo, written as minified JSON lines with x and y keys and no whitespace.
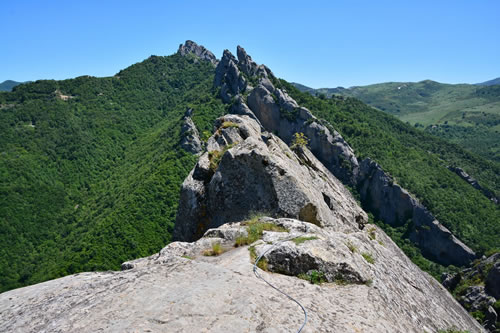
{"x":91,"y":167}
{"x":466,"y":114}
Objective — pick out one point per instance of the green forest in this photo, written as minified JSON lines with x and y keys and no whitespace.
{"x":91,"y":168}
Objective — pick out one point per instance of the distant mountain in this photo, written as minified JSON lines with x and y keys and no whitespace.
{"x":8,"y":85}
{"x":465,"y":114}
{"x":490,"y":82}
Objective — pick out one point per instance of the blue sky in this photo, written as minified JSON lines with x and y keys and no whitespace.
{"x":317,"y":43}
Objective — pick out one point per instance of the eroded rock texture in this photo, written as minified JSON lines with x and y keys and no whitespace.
{"x":190,"y":137}
{"x":191,"y":48}
{"x":181,"y":290}
{"x":246,"y":171}
{"x":252,"y":91}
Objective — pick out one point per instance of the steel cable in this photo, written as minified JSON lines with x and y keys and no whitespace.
{"x":276,"y":288}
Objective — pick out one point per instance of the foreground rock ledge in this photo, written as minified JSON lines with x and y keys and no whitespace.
{"x":180,"y":290}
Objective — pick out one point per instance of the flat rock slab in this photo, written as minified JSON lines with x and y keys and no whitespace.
{"x":221,"y":294}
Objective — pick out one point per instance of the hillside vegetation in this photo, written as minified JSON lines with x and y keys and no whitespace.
{"x":466,"y":114}
{"x":91,"y":167}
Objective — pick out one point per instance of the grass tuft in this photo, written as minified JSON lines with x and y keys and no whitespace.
{"x":255,"y":229}
{"x":314,"y":277}
{"x":372,"y":233}
{"x":302,"y":239}
{"x":368,"y":257}
{"x":228,"y":124}
{"x":351,"y":246}
{"x":214,"y":251}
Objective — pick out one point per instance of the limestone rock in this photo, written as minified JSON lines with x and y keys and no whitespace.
{"x":190,"y":137}
{"x":181,"y":290}
{"x":395,"y":206}
{"x":279,"y":113}
{"x":228,"y":78}
{"x":255,"y":171}
{"x":190,"y":47}
{"x":493,"y":280}
{"x":450,"y":281}
{"x":474,"y":183}
{"x":490,"y":319}
{"x":476,"y":298}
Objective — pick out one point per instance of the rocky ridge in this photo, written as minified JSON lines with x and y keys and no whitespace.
{"x":191,"y":48}
{"x":275,"y":180}
{"x":316,"y":229}
{"x":474,"y":183}
{"x":253,"y":90}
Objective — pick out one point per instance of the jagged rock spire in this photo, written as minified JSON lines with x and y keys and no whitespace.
{"x":190,"y":47}
{"x":278,"y":113}
{"x":190,"y":137}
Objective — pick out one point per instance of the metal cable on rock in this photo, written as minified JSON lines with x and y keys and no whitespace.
{"x":276,"y":288}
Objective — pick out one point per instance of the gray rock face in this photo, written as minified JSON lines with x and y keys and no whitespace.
{"x":280,"y":114}
{"x":257,"y":172}
{"x":190,"y":47}
{"x":181,"y":290}
{"x":482,"y":280}
{"x":490,"y":319}
{"x":493,"y":280}
{"x":190,"y":137}
{"x":476,"y":298}
{"x":450,"y":281}
{"x":228,"y":78}
{"x":473,"y":182}
{"x":395,"y":206}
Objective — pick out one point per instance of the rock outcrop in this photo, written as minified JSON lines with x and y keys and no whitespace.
{"x":190,"y":137}
{"x":474,"y":183}
{"x":279,"y":113}
{"x":250,"y":89}
{"x":182,"y":290}
{"x":493,"y":280}
{"x":392,"y":204}
{"x":247,"y":170}
{"x":478,"y":289}
{"x":191,"y":48}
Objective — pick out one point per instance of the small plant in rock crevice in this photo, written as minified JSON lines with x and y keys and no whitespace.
{"x":255,"y":229}
{"x":368,"y":257}
{"x":215,"y":156}
{"x":302,"y":239}
{"x":372,"y":233}
{"x":228,"y":124}
{"x":215,"y":250}
{"x":262,"y":264}
{"x":351,"y":247}
{"x":299,"y":141}
{"x":313,"y":276}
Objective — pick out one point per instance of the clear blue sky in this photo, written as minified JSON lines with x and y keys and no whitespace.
{"x":317,"y":43}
